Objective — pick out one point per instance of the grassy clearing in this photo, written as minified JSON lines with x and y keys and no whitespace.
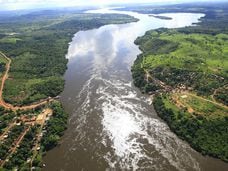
{"x":202,"y":107}
{"x":9,"y":40}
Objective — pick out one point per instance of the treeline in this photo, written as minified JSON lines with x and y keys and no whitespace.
{"x":208,"y":136}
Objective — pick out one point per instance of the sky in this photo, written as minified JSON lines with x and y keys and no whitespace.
{"x":29,"y":4}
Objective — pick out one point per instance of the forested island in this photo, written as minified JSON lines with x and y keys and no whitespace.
{"x":186,"y":70}
{"x":161,"y":17}
{"x":32,"y":64}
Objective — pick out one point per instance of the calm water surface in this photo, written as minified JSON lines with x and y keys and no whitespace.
{"x":112,"y":125}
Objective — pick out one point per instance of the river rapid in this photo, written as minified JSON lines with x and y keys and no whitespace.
{"x":112,"y":125}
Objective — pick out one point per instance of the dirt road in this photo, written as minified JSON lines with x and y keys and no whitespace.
{"x":10,"y":106}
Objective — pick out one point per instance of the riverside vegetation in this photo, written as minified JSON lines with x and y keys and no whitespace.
{"x":187,"y":70}
{"x":36,"y":44}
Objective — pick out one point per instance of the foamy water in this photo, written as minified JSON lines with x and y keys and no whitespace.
{"x":134,"y":135}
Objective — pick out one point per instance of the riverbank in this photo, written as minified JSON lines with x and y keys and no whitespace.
{"x":187,"y":70}
{"x":35,"y":72}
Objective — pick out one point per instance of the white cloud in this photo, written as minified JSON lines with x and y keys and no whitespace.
{"x":23,"y":4}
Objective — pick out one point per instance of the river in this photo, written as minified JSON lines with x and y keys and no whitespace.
{"x":111,"y":124}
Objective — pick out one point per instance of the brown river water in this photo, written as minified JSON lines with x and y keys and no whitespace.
{"x":112,"y":126}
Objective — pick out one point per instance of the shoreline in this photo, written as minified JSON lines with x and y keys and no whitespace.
{"x":151,"y":85}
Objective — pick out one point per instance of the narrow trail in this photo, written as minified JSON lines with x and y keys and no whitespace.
{"x":10,"y":106}
{"x":213,"y":95}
